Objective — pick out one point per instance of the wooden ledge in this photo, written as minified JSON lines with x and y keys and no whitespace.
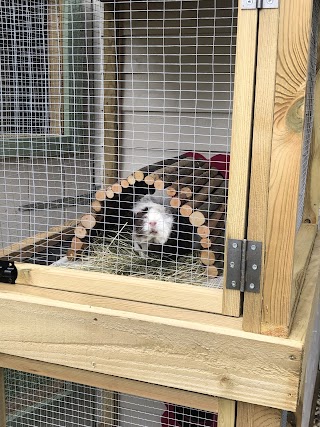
{"x":211,"y":359}
{"x":182,"y":349}
{"x":123,"y":287}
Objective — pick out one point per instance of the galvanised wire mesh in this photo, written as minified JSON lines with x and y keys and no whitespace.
{"x":37,"y":401}
{"x":115,"y":134}
{"x":309,"y":110}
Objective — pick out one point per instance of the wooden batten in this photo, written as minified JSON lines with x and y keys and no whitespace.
{"x":167,"y":352}
{"x":241,"y":139}
{"x":130,"y":288}
{"x":109,"y":382}
{"x":110,"y":107}
{"x":261,"y":151}
{"x":306,"y":328}
{"x":55,"y":66}
{"x":227,"y":413}
{"x":257,"y":416}
{"x":285,"y":164}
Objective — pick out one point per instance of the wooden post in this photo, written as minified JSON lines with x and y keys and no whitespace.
{"x":261,"y":150}
{"x":285,"y":163}
{"x":110,"y":108}
{"x":227,"y":413}
{"x":257,"y":416}
{"x":241,"y":139}
{"x":55,"y":66}
{"x":2,"y":400}
{"x":307,"y":328}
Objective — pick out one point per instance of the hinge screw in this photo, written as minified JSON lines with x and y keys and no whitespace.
{"x":253,"y":247}
{"x":233,"y":284}
{"x":232,"y":264}
{"x":254,"y":266}
{"x":234,"y":245}
{"x":251,"y":286}
{"x":269,"y":1}
{"x":249,"y":1}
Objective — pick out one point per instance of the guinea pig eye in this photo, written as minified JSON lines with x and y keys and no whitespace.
{"x":145,"y":210}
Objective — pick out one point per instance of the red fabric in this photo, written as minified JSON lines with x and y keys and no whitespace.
{"x":219,"y":161}
{"x":194,"y":155}
{"x":222,"y":163}
{"x":169,"y":419}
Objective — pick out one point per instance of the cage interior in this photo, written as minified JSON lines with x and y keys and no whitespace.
{"x":34,"y":401}
{"x":116,"y":127}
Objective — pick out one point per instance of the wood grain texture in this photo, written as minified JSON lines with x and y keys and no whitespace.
{"x":55,"y":67}
{"x":261,"y":151}
{"x":179,"y":354}
{"x":130,"y":306}
{"x":306,"y":328}
{"x":108,"y":382}
{"x":301,"y":321}
{"x":257,"y":416}
{"x":2,"y":400}
{"x":130,"y":288}
{"x":227,"y":413}
{"x":286,"y":154}
{"x":241,"y":139}
{"x":302,"y":252}
{"x":110,"y":108}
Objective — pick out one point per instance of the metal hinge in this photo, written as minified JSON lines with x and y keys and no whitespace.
{"x":244,"y":265}
{"x":260,"y":4}
{"x":8,"y":272}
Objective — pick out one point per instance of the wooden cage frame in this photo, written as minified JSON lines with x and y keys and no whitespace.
{"x":107,"y":331}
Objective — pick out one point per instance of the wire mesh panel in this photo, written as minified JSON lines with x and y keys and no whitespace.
{"x":34,"y":401}
{"x":116,"y":124}
{"x":309,"y":110}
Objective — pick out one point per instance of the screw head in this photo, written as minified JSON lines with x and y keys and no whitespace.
{"x":253,"y":247}
{"x":249,"y":1}
{"x":234,"y":245}
{"x":254,"y":267}
{"x":251,"y":286}
{"x":269,"y":1}
{"x":233,"y":283}
{"x":232,"y":264}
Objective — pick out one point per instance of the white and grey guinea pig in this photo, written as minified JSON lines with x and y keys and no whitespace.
{"x":152,"y":222}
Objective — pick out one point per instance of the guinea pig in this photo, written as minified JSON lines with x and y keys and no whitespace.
{"x":153,"y":221}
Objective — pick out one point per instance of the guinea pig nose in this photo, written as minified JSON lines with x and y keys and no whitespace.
{"x":152,"y":223}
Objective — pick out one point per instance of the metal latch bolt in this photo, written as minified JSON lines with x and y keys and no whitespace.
{"x":8,"y":272}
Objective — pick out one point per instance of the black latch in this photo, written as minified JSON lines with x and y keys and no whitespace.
{"x":8,"y":272}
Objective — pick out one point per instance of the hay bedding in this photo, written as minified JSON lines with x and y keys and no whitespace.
{"x":114,"y":254}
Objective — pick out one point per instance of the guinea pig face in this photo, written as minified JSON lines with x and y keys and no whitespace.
{"x":153,"y":224}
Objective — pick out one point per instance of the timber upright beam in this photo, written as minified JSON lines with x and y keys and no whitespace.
{"x":281,"y":159}
{"x":241,"y":139}
{"x":110,"y":109}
